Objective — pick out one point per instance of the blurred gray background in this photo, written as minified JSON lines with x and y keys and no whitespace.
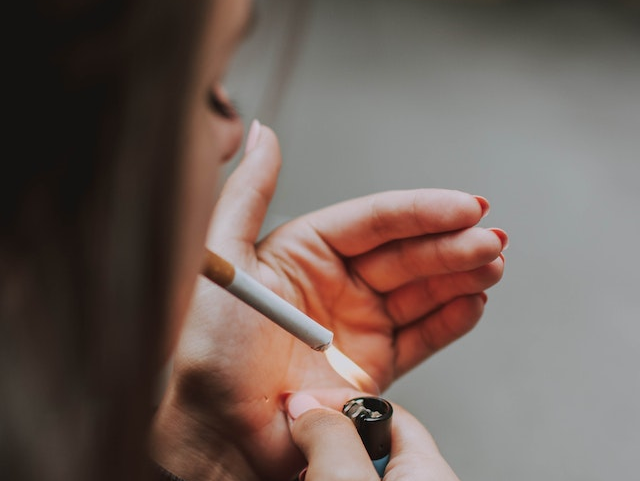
{"x":534,"y":105}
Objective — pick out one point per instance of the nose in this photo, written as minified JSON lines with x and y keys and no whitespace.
{"x":232,"y":133}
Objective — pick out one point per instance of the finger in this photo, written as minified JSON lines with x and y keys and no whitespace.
{"x":246,"y":195}
{"x":329,"y":442}
{"x":414,"y":452}
{"x":359,"y":225}
{"x":415,"y":300}
{"x":400,"y":262}
{"x":419,"y":340}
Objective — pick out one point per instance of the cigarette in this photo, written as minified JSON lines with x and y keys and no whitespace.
{"x":265,"y":301}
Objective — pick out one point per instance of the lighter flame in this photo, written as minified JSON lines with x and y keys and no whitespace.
{"x":350,"y":371}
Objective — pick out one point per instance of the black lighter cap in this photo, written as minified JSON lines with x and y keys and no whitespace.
{"x":372,"y":418}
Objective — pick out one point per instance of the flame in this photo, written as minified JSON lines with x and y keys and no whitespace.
{"x":350,"y":371}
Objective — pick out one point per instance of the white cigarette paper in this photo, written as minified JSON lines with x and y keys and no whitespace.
{"x":280,"y":311}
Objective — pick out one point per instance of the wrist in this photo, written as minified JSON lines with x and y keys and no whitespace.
{"x":191,"y":450}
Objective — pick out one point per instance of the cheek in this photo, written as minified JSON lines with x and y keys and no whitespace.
{"x":230,"y":133}
{"x":201,"y":168}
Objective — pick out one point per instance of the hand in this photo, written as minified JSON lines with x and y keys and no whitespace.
{"x":333,"y":448}
{"x":396,"y":276}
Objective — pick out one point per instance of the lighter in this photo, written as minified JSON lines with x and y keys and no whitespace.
{"x":372,"y":418}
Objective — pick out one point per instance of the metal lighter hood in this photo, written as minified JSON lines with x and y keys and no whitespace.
{"x":372,"y":419}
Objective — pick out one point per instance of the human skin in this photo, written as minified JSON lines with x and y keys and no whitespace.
{"x":396,"y":276}
{"x":209,"y":140}
{"x":222,"y":410}
{"x":334,"y":450}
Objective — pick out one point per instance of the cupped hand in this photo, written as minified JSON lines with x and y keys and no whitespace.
{"x":396,"y":276}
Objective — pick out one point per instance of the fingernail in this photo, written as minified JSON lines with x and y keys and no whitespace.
{"x":302,"y":475}
{"x":484,"y":205}
{"x":300,"y":403}
{"x":283,"y":398}
{"x":484,"y":297}
{"x":502,"y":235}
{"x":253,"y":136}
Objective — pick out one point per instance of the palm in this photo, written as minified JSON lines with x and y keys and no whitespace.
{"x":323,"y":287}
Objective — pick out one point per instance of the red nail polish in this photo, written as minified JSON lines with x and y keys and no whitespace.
{"x":502,"y":235}
{"x":484,"y":205}
{"x":484,"y":297}
{"x":283,"y":398}
{"x":302,"y":475}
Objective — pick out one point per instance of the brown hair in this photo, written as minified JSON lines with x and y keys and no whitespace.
{"x":86,"y":243}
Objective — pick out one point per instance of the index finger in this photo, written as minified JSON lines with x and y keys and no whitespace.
{"x":359,"y":225}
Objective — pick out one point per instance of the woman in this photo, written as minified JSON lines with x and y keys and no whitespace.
{"x":106,"y":219}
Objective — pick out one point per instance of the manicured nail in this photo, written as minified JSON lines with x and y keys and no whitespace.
{"x":300,"y":403}
{"x":283,"y":399}
{"x":484,"y":205}
{"x":253,"y":136}
{"x":502,"y":235}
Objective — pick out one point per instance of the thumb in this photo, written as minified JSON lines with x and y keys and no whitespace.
{"x":329,"y":442}
{"x":246,"y":195}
